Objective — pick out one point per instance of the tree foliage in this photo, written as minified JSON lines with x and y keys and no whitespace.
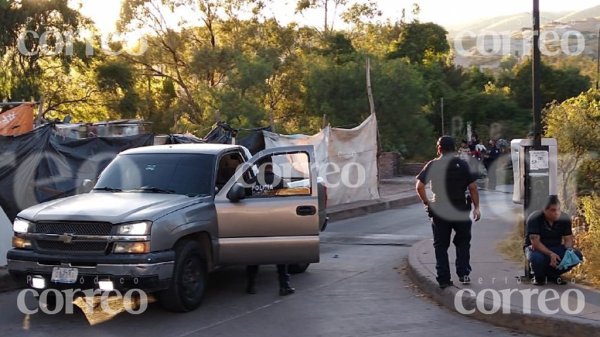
{"x":575,"y":124}
{"x":228,"y":60}
{"x":557,"y":84}
{"x":418,"y":40}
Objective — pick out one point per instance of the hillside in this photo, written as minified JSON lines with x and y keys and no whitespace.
{"x":514,"y":23}
{"x":593,"y":12}
{"x":509,"y":23}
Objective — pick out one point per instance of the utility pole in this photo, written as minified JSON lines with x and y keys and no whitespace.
{"x":442,"y":107}
{"x":536,"y":71}
{"x":536,"y":161}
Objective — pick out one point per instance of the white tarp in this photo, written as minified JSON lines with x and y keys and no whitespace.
{"x":6,"y":234}
{"x":346,"y":159}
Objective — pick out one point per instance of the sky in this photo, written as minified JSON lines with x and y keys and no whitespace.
{"x":446,"y":13}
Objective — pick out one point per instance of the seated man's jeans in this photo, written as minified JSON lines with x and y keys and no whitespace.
{"x":540,"y":263}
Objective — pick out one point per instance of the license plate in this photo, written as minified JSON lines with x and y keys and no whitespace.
{"x":64,"y":275}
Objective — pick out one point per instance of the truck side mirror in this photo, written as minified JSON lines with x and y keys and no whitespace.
{"x":87,"y":185}
{"x":236,"y":193}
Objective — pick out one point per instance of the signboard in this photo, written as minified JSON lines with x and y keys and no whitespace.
{"x":538,"y":160}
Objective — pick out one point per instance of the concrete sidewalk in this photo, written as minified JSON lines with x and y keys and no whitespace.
{"x":498,"y":294}
{"x":394,"y":193}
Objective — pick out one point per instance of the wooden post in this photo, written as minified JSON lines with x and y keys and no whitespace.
{"x":369,"y":89}
{"x":272,"y":122}
{"x":38,"y":120}
{"x":442,"y":106}
{"x":324,"y":122}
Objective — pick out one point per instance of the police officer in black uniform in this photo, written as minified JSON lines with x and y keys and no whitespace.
{"x":449,"y":209}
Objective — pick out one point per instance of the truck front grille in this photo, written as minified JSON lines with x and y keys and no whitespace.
{"x":76,"y":228}
{"x":73,"y":247}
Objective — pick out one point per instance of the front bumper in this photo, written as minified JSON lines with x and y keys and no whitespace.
{"x":148,"y":272}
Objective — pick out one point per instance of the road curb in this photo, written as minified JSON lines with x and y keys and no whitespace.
{"x":371,"y":207}
{"x":541,"y":325}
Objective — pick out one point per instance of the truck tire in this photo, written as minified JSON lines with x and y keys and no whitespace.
{"x":297,"y":268}
{"x":50,"y":303}
{"x":188,"y":283}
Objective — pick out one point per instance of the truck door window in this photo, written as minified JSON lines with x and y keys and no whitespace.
{"x":227,"y":166}
{"x":279,"y":176}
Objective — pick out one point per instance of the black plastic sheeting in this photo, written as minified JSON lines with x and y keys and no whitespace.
{"x":183,"y":139}
{"x":252,"y":139}
{"x":40,"y":166}
{"x":221,"y":133}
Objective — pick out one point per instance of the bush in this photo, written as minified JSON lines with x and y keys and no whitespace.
{"x":589,"y":242}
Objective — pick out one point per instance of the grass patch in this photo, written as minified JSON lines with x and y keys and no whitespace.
{"x":512,"y":246}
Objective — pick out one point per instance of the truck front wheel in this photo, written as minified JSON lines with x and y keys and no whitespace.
{"x":189,"y":279}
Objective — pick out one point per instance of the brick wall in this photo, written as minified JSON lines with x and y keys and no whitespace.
{"x":389,"y":164}
{"x":411,"y":169}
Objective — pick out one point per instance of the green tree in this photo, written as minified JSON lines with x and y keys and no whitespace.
{"x":34,"y":40}
{"x":575,"y":123}
{"x":327,"y":6}
{"x":418,"y":40}
{"x":339,"y":92}
{"x":556,"y":84}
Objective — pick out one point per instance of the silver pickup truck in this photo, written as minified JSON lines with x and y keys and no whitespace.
{"x":160,"y":218}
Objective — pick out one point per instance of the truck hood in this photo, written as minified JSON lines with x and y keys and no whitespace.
{"x":110,"y":207}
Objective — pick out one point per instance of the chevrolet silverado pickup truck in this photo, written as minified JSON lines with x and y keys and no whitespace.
{"x":160,"y":218}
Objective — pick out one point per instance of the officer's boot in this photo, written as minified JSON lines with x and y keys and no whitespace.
{"x":251,"y":272}
{"x":284,"y":281}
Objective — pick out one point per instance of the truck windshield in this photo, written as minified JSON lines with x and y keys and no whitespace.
{"x":188,"y":174}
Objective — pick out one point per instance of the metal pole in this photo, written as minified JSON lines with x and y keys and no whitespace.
{"x":443,"y":130}
{"x":598,"y":62}
{"x":536,"y":77}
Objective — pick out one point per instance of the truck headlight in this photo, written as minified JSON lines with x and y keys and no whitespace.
{"x":131,"y":247}
{"x":137,"y":228}
{"x":22,"y":226}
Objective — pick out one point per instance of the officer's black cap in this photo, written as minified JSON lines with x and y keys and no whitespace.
{"x":446,"y":143}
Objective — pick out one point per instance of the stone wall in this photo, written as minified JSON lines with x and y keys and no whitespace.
{"x":389,"y":164}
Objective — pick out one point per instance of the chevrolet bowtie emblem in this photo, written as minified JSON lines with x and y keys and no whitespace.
{"x":66,"y":237}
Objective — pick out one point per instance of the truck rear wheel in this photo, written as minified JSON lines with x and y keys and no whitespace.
{"x":189,"y":279}
{"x":297,"y":268}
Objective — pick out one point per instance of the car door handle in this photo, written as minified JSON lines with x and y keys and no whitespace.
{"x":306,"y":210}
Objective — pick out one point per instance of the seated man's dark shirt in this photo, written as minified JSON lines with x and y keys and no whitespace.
{"x":550,"y":236}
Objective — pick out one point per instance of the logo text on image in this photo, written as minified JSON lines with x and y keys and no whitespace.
{"x":490,"y":43}
{"x":64,"y":300}
{"x":64,"y":44}
{"x":549,"y":301}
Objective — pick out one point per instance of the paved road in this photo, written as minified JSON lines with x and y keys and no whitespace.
{"x":359,"y":289}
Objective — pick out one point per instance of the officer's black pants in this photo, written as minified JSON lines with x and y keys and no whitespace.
{"x":442,"y":232}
